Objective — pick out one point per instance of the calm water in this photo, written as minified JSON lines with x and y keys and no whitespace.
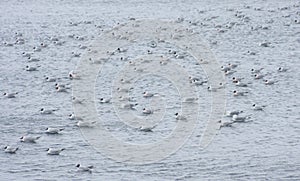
{"x":267,"y":148}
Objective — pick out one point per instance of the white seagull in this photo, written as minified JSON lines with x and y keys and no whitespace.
{"x":10,"y":95}
{"x":53,"y":130}
{"x":47,"y":111}
{"x":29,"y":139}
{"x":84,"y":169}
{"x":10,"y":149}
{"x":236,"y":93}
{"x":179,"y":117}
{"x":53,"y":151}
{"x":257,"y":108}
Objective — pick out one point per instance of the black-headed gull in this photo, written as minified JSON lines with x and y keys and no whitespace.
{"x":53,"y":151}
{"x":240,"y":84}
{"x":147,"y":128}
{"x":223,"y":123}
{"x":258,"y":76}
{"x":148,"y":94}
{"x":47,"y":111}
{"x":179,"y":117}
{"x":10,"y":149}
{"x":269,"y":82}
{"x":236,"y":93}
{"x":31,"y":59}
{"x":231,"y":113}
{"x":256,"y":70}
{"x":74,"y":117}
{"x":50,"y":79}
{"x":53,"y":130}
{"x":86,"y":124}
{"x":225,"y":68}
{"x":84,"y":169}
{"x":129,"y":105}
{"x":10,"y":95}
{"x":257,"y":108}
{"x":30,"y":68}
{"x":281,"y":69}
{"x":104,"y":100}
{"x":29,"y":139}
{"x":147,"y":111}
{"x":237,"y":118}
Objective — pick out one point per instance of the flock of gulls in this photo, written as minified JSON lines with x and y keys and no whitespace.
{"x":258,"y":74}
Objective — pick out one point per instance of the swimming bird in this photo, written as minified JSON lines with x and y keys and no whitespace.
{"x":147,"y":94}
{"x":8,"y":44}
{"x":53,"y":130}
{"x":229,"y":72}
{"x":281,"y":69}
{"x":73,"y":75}
{"x":31,"y":59}
{"x":258,"y":76}
{"x":256,"y":70}
{"x":236,"y":93}
{"x":269,"y":82}
{"x":198,"y":82}
{"x":147,"y":111}
{"x":75,"y":54}
{"x":76,"y":100}
{"x":48,"y":79}
{"x":73,"y":117}
{"x":53,"y":151}
{"x":147,"y":128}
{"x":190,"y":99}
{"x":179,"y":117}
{"x":10,"y":95}
{"x":192,"y":78}
{"x":232,"y":66}
{"x":105,"y":100}
{"x":84,"y":169}
{"x":26,"y":54}
{"x":225,"y":68}
{"x":239,"y":84}
{"x":235,"y":79}
{"x":129,"y":105}
{"x":237,"y":118}
{"x":47,"y":111}
{"x":231,"y":113}
{"x":29,"y":139}
{"x":223,"y":123}
{"x":36,"y":49}
{"x":30,"y":68}
{"x":60,"y":89}
{"x":85,"y":124}
{"x":257,"y":108}
{"x":10,"y":149}
{"x":122,"y":50}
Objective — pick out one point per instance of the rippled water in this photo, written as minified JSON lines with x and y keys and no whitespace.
{"x":266,"y":148}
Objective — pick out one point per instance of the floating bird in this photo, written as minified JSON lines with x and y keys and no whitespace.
{"x":85,"y":124}
{"x":256,"y":70}
{"x":257,"y":108}
{"x":231,"y":113}
{"x":10,"y":149}
{"x":179,"y":117}
{"x":29,"y":68}
{"x":237,"y":118}
{"x":53,"y":130}
{"x":48,"y":79}
{"x":31,"y":59}
{"x":47,"y":111}
{"x":73,"y":117}
{"x":60,"y":89}
{"x":36,"y":49}
{"x":225,"y":123}
{"x":190,"y":99}
{"x":29,"y":139}
{"x":147,"y":111}
{"x":224,"y":68}
{"x":53,"y":151}
{"x":229,"y":72}
{"x":104,"y":100}
{"x":239,"y":84}
{"x":147,"y":128}
{"x":147,"y":94}
{"x":236,"y":93}
{"x":232,"y":66}
{"x":281,"y":69}
{"x":84,"y":169}
{"x":73,"y":75}
{"x":26,"y":54}
{"x":269,"y":82}
{"x":258,"y":76}
{"x":76,"y":100}
{"x":10,"y":95}
{"x":129,"y":105}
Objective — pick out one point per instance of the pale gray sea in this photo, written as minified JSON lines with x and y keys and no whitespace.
{"x":265,"y":148}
